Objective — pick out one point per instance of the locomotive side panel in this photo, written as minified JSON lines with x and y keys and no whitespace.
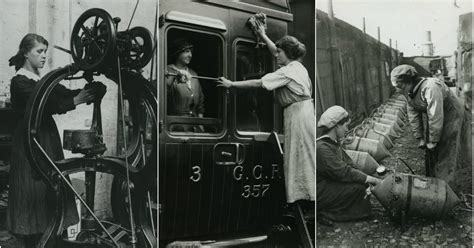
{"x":226,"y":179}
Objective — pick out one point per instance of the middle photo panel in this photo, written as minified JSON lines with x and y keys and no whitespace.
{"x":236,"y":122}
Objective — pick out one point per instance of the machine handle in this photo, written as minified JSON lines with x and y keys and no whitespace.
{"x":229,"y":153}
{"x":226,"y":154}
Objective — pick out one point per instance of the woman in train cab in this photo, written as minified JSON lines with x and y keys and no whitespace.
{"x":31,"y":201}
{"x":341,"y":189}
{"x":440,"y":123}
{"x":292,"y":87}
{"x":185,"y":97}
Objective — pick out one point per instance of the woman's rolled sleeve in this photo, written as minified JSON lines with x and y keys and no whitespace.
{"x":274,"y":80}
{"x":61,"y":100}
{"x":434,"y":100}
{"x":333,"y":167}
{"x":416,"y":121}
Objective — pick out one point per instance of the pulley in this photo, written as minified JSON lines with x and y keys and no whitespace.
{"x":95,"y":43}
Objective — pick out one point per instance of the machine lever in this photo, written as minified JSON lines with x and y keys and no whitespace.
{"x":226,"y":154}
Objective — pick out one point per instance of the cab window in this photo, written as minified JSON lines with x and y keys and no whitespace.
{"x":256,"y":110}
{"x":193,"y":102}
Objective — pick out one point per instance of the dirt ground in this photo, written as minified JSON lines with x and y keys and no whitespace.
{"x":380,"y":230}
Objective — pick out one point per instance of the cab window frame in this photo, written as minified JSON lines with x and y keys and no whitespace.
{"x":222,"y":116}
{"x":277,"y":123}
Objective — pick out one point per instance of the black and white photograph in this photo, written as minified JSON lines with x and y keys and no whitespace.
{"x":236,"y":123}
{"x":394,"y":115}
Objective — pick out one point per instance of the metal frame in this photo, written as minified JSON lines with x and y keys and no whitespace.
{"x":54,"y":173}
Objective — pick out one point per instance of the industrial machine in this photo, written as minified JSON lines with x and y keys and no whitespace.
{"x":98,"y":48}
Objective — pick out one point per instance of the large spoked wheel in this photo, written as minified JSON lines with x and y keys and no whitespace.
{"x":148,"y":140}
{"x":93,"y":39}
{"x":142,"y":158}
{"x":142,"y":136}
{"x":141,"y":50}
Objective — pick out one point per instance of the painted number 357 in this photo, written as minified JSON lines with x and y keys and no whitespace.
{"x":256,"y":190}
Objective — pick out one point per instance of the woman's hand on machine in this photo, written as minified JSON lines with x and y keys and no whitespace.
{"x":98,"y":87}
{"x":92,"y":92}
{"x":85,"y":95}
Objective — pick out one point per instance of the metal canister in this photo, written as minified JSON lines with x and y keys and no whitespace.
{"x":397,"y":103}
{"x":375,"y":135}
{"x":399,"y":96}
{"x":363,"y":161}
{"x":415,"y":195}
{"x":397,"y":100}
{"x":384,"y":128}
{"x":375,"y":148}
{"x":395,"y":125}
{"x":390,"y":116}
{"x":394,"y":111}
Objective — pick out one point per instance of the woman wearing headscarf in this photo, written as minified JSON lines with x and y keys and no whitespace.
{"x":292,"y":87}
{"x":341,"y":188}
{"x":446,"y":129}
{"x":185,"y":97}
{"x":31,"y":201}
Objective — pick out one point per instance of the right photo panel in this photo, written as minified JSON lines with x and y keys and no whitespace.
{"x":394,"y":123}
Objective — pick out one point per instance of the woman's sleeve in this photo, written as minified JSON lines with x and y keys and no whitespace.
{"x":21,"y":89}
{"x":275,"y":80}
{"x":200,"y":107}
{"x":347,"y":159}
{"x":169,"y":80}
{"x":169,"y":90}
{"x":61,"y":100}
{"x":333,"y":167}
{"x":434,"y":110}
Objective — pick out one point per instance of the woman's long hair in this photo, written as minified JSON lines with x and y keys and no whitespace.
{"x":26,"y":44}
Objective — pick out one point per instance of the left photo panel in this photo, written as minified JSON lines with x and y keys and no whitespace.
{"x":78,"y":129}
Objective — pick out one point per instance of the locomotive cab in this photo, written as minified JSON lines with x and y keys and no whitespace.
{"x":227,"y":177}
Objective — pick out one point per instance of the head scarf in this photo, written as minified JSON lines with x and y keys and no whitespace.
{"x":401,"y":73}
{"x":332,"y":116}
